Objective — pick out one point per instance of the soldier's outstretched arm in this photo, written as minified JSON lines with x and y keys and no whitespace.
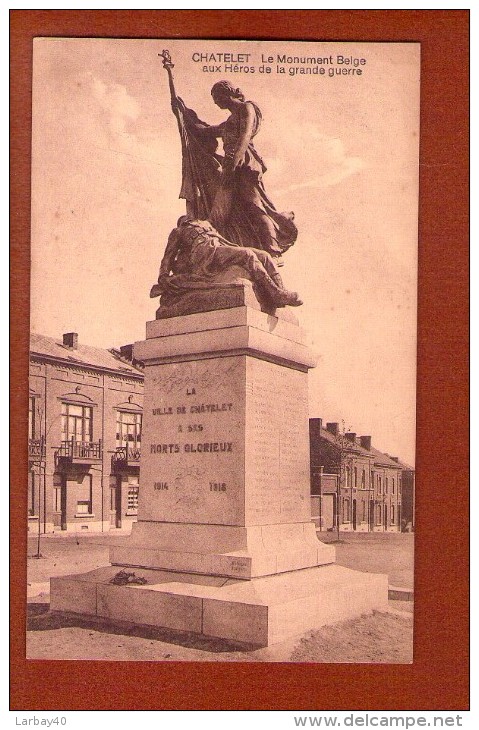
{"x":171,"y":251}
{"x":172,"y":248}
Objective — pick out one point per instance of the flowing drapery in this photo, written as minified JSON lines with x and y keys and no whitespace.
{"x":252,"y":219}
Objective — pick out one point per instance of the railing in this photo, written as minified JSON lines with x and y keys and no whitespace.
{"x":36,"y":448}
{"x":78,"y":450}
{"x":126,"y":455}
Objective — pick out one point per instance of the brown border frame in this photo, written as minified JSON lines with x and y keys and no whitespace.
{"x":439,"y":677}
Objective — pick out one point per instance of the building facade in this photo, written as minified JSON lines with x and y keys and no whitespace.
{"x":84,"y":440}
{"x":84,"y":445}
{"x":353,"y":485}
{"x":408,"y":496}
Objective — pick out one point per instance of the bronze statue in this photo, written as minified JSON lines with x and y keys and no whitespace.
{"x":228,"y":190}
{"x":196,"y":253}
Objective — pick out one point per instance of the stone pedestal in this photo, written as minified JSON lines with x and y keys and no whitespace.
{"x":224,"y":487}
{"x":225,"y":448}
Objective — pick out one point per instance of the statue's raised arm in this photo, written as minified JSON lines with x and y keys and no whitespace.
{"x":169,"y":65}
{"x":201,"y":165}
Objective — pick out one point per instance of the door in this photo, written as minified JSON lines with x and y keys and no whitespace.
{"x":328,"y":511}
{"x":371,"y":515}
{"x":115,"y":503}
{"x":63,"y":503}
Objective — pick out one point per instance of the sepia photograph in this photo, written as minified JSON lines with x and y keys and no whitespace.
{"x":222,"y":373}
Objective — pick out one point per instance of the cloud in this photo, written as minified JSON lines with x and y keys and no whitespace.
{"x":115,"y":100}
{"x":326,"y":163}
{"x":335,"y":174}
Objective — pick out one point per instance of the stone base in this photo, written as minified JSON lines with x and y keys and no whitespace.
{"x":32,"y":526}
{"x":259,"y":612}
{"x":223,"y":550}
{"x":226,"y":291}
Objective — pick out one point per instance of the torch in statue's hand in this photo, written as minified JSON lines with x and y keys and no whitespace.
{"x":167,"y":62}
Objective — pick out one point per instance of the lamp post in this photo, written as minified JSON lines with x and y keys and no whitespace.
{"x":341,"y":472}
{"x":41,"y":471}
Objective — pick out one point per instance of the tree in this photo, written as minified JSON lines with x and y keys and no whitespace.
{"x":39,"y":462}
{"x":344,"y":460}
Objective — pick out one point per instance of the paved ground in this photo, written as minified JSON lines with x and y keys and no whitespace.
{"x":62,"y":555}
{"x":377,"y":552}
{"x":380,"y":638}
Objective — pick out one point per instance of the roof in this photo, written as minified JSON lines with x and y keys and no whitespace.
{"x":86,"y":355}
{"x":350,"y":445}
{"x":384,"y":459}
{"x":403,"y":465}
{"x":378,"y":456}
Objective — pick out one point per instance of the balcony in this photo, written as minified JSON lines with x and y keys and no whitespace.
{"x":80,"y":452}
{"x":36,"y":449}
{"x":126,"y":456}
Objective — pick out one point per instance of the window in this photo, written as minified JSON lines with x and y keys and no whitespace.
{"x":128,"y":429}
{"x":363,"y":480}
{"x":76,"y":423}
{"x":379,"y":519}
{"x":392,"y":514}
{"x":84,"y":495}
{"x":363,"y":518}
{"x":393,"y":486}
{"x":132,"y":506}
{"x":355,"y":477}
{"x":132,"y":496}
{"x":346,"y":510}
{"x":386,"y":485}
{"x":348,"y":477}
{"x":380,"y":485}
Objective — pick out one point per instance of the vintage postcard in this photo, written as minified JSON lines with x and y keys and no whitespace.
{"x":223,"y":350}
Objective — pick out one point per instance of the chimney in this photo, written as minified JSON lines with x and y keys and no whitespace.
{"x":395,"y":458}
{"x":126,"y":352}
{"x":351,"y":437}
{"x":333,"y":428}
{"x":365,"y":442}
{"x":70,"y":339}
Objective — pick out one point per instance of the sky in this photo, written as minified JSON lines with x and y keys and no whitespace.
{"x":341,"y":152}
